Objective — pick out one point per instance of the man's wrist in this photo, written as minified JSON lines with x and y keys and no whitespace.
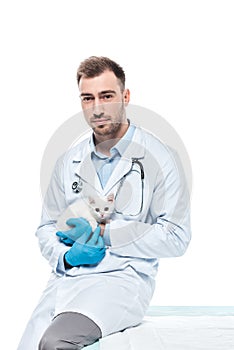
{"x":66,"y":264}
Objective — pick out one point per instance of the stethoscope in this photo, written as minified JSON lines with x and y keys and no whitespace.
{"x":77,"y":186}
{"x":142,"y":175}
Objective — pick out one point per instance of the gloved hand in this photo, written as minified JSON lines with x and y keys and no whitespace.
{"x":86,"y":250}
{"x":80,"y":226}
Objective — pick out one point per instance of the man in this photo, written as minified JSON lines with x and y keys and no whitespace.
{"x":102,"y":281}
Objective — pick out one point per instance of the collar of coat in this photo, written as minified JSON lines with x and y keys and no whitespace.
{"x":86,"y":170}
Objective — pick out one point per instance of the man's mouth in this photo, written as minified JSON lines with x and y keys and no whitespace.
{"x":100,"y":121}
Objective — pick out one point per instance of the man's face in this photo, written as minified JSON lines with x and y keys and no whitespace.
{"x":103,"y":104}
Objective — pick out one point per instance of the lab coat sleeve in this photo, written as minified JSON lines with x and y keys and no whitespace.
{"x":54,"y":203}
{"x":166,"y":230}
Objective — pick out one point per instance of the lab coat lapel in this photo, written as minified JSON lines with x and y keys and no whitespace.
{"x":135,"y":149}
{"x":122,"y":168}
{"x":86,"y":170}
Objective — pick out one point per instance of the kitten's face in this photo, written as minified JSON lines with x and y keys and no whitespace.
{"x":101,"y":208}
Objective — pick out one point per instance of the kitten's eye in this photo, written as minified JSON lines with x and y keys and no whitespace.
{"x":97,"y":210}
{"x":106,"y":209}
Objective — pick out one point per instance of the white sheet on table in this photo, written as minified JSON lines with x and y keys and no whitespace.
{"x":175,"y":333}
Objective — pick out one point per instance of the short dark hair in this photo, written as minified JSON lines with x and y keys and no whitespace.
{"x":94,"y":66}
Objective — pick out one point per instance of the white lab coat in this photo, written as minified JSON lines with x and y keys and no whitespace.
{"x":116,"y":292}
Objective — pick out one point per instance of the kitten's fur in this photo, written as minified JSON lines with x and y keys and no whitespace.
{"x":94,"y":209}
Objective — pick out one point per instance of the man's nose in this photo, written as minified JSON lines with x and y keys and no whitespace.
{"x":98,"y":116}
{"x":97,"y":109}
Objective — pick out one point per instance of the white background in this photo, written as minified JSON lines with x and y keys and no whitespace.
{"x":178,"y":57}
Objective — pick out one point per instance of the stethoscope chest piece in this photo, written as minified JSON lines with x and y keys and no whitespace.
{"x":77,"y":186}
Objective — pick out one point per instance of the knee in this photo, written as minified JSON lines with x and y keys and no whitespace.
{"x":48,"y":342}
{"x":51,"y":342}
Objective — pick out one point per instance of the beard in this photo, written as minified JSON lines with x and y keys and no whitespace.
{"x":111,"y":127}
{"x":107,"y":129}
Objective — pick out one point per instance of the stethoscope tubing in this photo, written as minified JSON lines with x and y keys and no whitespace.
{"x":77,"y":185}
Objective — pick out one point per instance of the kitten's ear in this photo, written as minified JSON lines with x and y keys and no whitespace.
{"x":91,"y":200}
{"x":110,"y":197}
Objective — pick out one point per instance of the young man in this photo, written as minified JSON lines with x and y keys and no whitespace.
{"x":102,"y":281}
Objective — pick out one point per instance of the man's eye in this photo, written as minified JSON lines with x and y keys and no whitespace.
{"x":107,"y":97}
{"x":86,"y":99}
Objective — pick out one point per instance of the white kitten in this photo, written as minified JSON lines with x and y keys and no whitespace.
{"x":94,"y":209}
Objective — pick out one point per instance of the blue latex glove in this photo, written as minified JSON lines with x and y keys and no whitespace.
{"x":86,"y":250}
{"x":79,"y":227}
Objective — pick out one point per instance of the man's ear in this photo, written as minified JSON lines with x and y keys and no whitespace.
{"x":126,"y":95}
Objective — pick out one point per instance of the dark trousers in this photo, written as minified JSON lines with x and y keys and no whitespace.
{"x":70,"y":331}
